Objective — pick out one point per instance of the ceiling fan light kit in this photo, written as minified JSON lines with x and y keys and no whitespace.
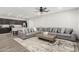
{"x":43,"y":9}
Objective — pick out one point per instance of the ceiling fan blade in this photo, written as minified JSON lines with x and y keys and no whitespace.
{"x":42,"y":9}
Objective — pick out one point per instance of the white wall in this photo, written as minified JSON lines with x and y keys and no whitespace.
{"x":77,"y":29}
{"x":30,"y":23}
{"x":17,"y":13}
{"x":60,"y":19}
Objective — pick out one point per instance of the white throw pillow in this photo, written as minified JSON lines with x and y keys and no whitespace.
{"x":62,"y":30}
{"x":35,"y":29}
{"x":45,"y":33}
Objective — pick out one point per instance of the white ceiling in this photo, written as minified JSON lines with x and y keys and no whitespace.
{"x":27,"y":12}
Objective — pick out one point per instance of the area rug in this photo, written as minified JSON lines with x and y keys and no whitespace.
{"x":36,"y":45}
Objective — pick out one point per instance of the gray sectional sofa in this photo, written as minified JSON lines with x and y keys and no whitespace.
{"x":62,"y":33}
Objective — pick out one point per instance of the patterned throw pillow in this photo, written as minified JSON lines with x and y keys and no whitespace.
{"x":34,"y":29}
{"x":42,"y":29}
{"x":68,"y":31}
{"x":55,"y":30}
{"x":51,"y":29}
{"x":48,"y":29}
{"x":45,"y":29}
{"x":28,"y":31}
{"x":31,"y":30}
{"x":59,"y":30}
{"x":37,"y":29}
{"x":62,"y":30}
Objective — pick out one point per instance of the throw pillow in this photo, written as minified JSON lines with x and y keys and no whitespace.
{"x":52,"y":30}
{"x":59,"y":30}
{"x":68,"y":31}
{"x":48,"y":29}
{"x":55,"y":30}
{"x":62,"y":30}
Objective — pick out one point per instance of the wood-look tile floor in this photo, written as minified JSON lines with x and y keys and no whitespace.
{"x":7,"y":44}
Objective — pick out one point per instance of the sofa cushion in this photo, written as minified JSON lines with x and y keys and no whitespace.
{"x":62,"y":30}
{"x":40,"y":29}
{"x":58,"y":30}
{"x":68,"y":31}
{"x":44,"y":29}
{"x":26,"y":31}
{"x":55,"y":30}
{"x":49,"y":29}
{"x":65,"y":35}
{"x":29,"y":30}
{"x":35,"y":29}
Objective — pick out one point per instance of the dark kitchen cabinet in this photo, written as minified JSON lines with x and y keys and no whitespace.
{"x":12,"y":21}
{"x":5,"y":30}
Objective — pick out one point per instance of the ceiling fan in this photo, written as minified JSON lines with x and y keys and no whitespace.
{"x":42,"y":9}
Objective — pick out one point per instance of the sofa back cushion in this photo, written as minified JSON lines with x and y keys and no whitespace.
{"x":29,"y":30}
{"x":68,"y":31}
{"x":39,"y":29}
{"x":58,"y":30}
{"x":35,"y":29}
{"x":48,"y":29}
{"x":54,"y":30}
{"x":44,"y":29}
{"x":62,"y":30}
